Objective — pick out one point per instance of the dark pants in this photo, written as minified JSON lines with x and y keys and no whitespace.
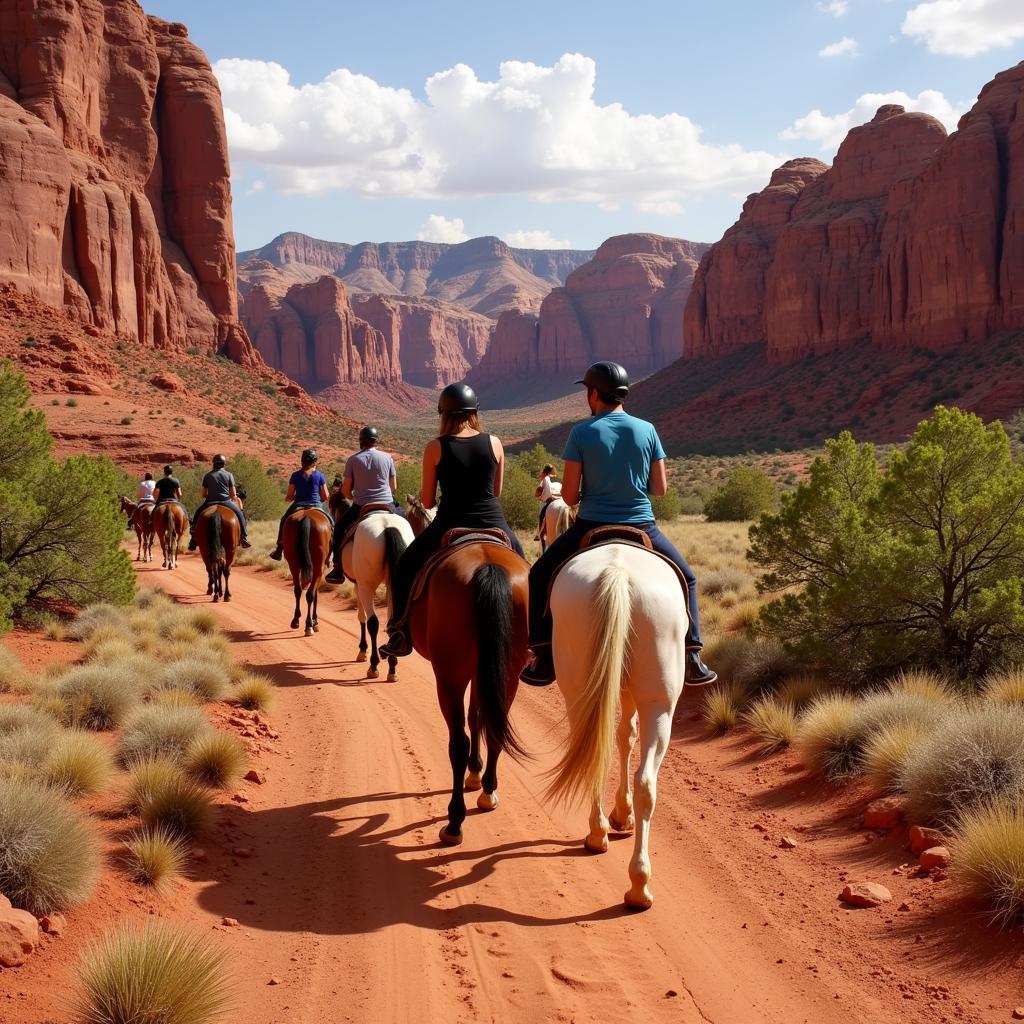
{"x":347,"y":519}
{"x":568,"y":544}
{"x":173,"y":501}
{"x":540,"y":518}
{"x":294,"y":507}
{"x":416,"y":555}
{"x":227,"y":504}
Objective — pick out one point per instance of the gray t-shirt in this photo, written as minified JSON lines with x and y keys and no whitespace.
{"x":370,"y":470}
{"x":218,"y":484}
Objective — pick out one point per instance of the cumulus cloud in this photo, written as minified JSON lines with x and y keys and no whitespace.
{"x":845,"y":47}
{"x":830,"y":129}
{"x":536,"y":131}
{"x":837,"y":8}
{"x":440,"y":229}
{"x":965,"y":27}
{"x":536,"y":239}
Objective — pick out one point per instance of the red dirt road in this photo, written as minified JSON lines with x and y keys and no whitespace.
{"x":349,"y":909}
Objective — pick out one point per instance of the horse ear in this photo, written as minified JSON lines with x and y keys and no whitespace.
{"x":411,"y":498}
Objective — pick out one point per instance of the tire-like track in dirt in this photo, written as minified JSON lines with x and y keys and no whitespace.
{"x":349,"y":909}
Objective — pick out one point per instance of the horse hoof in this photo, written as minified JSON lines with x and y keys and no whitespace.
{"x":487,"y":801}
{"x":295,"y":624}
{"x":362,"y":656}
{"x":641,"y":900}
{"x":472,"y":783}
{"x":316,"y":627}
{"x":392,"y":677}
{"x":372,"y":673}
{"x":450,"y":838}
{"x":309,"y":631}
{"x":629,"y":825}
{"x":600,"y":847}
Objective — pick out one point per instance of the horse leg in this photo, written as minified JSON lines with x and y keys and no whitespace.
{"x":488,"y":799}
{"x":655,"y":732}
{"x":451,"y":696}
{"x":226,"y":571}
{"x":309,"y":609}
{"x":622,"y":816}
{"x":372,"y":626}
{"x":211,"y":580}
{"x":361,"y":656}
{"x":297,"y":590}
{"x":316,"y":604}
{"x":392,"y":670}
{"x":597,"y":837}
{"x":138,"y":554}
{"x":475,"y":764}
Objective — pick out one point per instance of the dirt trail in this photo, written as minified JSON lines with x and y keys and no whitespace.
{"x":351,"y":905}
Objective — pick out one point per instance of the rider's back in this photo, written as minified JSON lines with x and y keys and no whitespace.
{"x":218,"y":484}
{"x":465,"y":474}
{"x":370,"y":470}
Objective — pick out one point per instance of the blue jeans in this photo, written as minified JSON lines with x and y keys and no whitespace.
{"x":543,"y":571}
{"x":227,"y":504}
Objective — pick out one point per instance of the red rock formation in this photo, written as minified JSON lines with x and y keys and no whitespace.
{"x":114,"y":173}
{"x":312,"y":335}
{"x":434,"y":342}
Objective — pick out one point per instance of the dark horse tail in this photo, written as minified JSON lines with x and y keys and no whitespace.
{"x":493,"y":591}
{"x":394,"y":547}
{"x":305,"y":558}
{"x":213,"y":541}
{"x":170,"y":533}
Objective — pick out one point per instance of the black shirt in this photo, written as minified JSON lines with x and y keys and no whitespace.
{"x":167,"y":488}
{"x":465,"y":475}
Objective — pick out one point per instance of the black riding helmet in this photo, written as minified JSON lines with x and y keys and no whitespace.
{"x":219,"y":462}
{"x":367,"y":436}
{"x":309,"y":457}
{"x":458,"y":398}
{"x":608,"y":379}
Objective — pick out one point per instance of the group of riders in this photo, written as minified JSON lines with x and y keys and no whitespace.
{"x":613,"y":464}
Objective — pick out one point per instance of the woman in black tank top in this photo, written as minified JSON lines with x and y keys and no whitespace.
{"x":468,"y":466}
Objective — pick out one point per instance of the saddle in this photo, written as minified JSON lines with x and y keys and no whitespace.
{"x":451,"y":541}
{"x":602,"y":536}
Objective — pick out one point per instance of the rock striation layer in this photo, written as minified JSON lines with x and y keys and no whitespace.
{"x":114,"y":173}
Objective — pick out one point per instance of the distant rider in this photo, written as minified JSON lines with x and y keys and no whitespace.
{"x":547,"y":490}
{"x":369,"y":480}
{"x":168,"y":488}
{"x":307,"y":488}
{"x":146,"y":487}
{"x":613,"y":461}
{"x":219,"y":488}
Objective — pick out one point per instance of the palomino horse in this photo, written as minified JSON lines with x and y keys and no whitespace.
{"x":218,"y":534}
{"x":549,"y":529}
{"x":307,"y":546}
{"x":368,"y":559}
{"x":470,"y":624}
{"x":619,"y":639}
{"x":171,"y":522}
{"x":140,"y":519}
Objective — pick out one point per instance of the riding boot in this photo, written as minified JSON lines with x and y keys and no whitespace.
{"x":276,"y":553}
{"x":697,"y":673}
{"x":399,"y":645}
{"x":540,"y":669}
{"x":337,"y":573}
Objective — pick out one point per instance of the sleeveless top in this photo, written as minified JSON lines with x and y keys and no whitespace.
{"x":465,"y":474}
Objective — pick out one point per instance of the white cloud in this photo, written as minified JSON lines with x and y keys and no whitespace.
{"x":845,"y":47}
{"x":257,"y":186}
{"x":536,"y":239}
{"x":965,"y":27}
{"x":440,"y":229}
{"x":663,"y":207}
{"x":535,"y":132}
{"x":837,"y":8}
{"x":831,"y":129}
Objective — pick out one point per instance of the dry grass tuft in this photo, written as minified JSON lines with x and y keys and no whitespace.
{"x":155,"y":973}
{"x":828,"y":736}
{"x":145,"y":778}
{"x":725,"y":654}
{"x":887,"y":751}
{"x":216,"y":759}
{"x":13,"y":676}
{"x":928,"y":685}
{"x":773,"y":722}
{"x":208,"y":679}
{"x":722,"y":706}
{"x":763,"y":664}
{"x":109,"y":649}
{"x":79,"y":764}
{"x":254,"y":691}
{"x":175,"y":699}
{"x":154,"y":731}
{"x":96,"y":696}
{"x":204,"y":620}
{"x":155,"y":857}
{"x":49,"y":856}
{"x":800,"y":690}
{"x":179,"y":806}
{"x":1004,"y":688}
{"x":90,"y":619}
{"x":990,"y":854}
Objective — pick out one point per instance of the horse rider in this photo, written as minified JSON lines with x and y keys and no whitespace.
{"x":307,"y":488}
{"x":146,"y":487}
{"x":613,"y":461}
{"x":469,"y":466}
{"x":547,"y":490}
{"x":369,"y":480}
{"x":168,"y":488}
{"x":219,"y":488}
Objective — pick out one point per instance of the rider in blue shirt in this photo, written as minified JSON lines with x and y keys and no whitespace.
{"x":307,"y":488}
{"x":613,"y":462}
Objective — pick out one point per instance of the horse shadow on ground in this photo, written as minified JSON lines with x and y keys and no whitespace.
{"x":363,"y":875}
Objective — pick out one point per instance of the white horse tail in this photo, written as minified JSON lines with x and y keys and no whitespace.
{"x":564,"y":521}
{"x":581,"y":771}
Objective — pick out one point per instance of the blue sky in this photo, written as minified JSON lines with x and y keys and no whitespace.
{"x":661,"y":119}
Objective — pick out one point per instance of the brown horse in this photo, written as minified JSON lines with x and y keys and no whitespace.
{"x":218,"y":534}
{"x":470,"y":624}
{"x":140,"y":519}
{"x":307,"y":546}
{"x":171,"y":522}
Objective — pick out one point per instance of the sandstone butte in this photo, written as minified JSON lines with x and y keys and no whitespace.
{"x":115,"y":177}
{"x":910,"y":238}
{"x":626,"y":304}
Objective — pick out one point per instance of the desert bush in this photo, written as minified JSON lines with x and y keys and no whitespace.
{"x":517,"y":498}
{"x":973,"y":757}
{"x":160,"y":732}
{"x":254,"y":692}
{"x":207,"y":678}
{"x":216,"y":759}
{"x":772,"y":721}
{"x":800,"y":689}
{"x":762,"y":664}
{"x":886,"y":752}
{"x":155,"y":857}
{"x":78,"y":764}
{"x":928,"y":685}
{"x":1004,"y":688}
{"x":154,"y":973}
{"x":16,"y":718}
{"x":746,"y":493}
{"x":533,"y":460}
{"x":94,"y":617}
{"x":667,"y":506}
{"x":175,"y":698}
{"x":728,"y":580}
{"x":12,"y":673}
{"x":722,"y":706}
{"x":829,"y":738}
{"x":990,"y":855}
{"x":146,"y":777}
{"x":725,"y":654}
{"x":96,"y":696}
{"x":49,"y":856}
{"x":108,"y":649}
{"x":179,"y":806}
{"x":264,"y":497}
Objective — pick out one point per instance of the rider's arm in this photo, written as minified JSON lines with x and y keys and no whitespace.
{"x":431,"y":457}
{"x":571,"y":477}
{"x":290,"y":496}
{"x":348,"y":487}
{"x":234,"y":494}
{"x":324,"y":495}
{"x":658,"y":484}
{"x":499,"y":473}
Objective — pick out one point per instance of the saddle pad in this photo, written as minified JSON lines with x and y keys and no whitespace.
{"x":617,"y":533}
{"x":375,"y":507}
{"x":451,"y":541}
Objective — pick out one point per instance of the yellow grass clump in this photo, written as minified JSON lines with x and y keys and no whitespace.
{"x":154,"y":731}
{"x":155,"y":857}
{"x":801,"y":689}
{"x":1004,"y":688}
{"x":216,"y":759}
{"x":95,"y":697}
{"x":887,"y":751}
{"x":828,"y":737}
{"x":722,"y":706}
{"x":990,"y":855}
{"x":773,"y":722}
{"x":254,"y":692}
{"x":922,"y":683}
{"x":78,"y":764}
{"x":206,"y":677}
{"x":178,"y":806}
{"x":13,"y":676}
{"x":146,"y":777}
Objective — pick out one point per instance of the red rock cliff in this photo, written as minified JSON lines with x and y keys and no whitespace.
{"x":114,"y":173}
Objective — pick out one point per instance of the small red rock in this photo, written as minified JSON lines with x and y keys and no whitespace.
{"x":243,"y":851}
{"x":254,"y":775}
{"x":167,"y":381}
{"x":19,"y":936}
{"x":788,"y":843}
{"x":1018,"y":1013}
{"x":935,"y":857}
{"x":53,"y":924}
{"x":885,"y":813}
{"x":865,"y":894}
{"x":274,"y":981}
{"x":229,"y":922}
{"x":922,"y":838}
{"x":240,"y":798}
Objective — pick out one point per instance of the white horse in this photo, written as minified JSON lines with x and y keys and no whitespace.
{"x":376,"y":545}
{"x":619,"y":640}
{"x":550,"y":528}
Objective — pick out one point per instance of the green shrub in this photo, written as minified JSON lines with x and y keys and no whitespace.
{"x":49,"y":856}
{"x":667,"y":506}
{"x":533,"y":461}
{"x":747,"y":493}
{"x":161,"y":732}
{"x":264,"y":497}
{"x":408,"y":480}
{"x":518,"y":500}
